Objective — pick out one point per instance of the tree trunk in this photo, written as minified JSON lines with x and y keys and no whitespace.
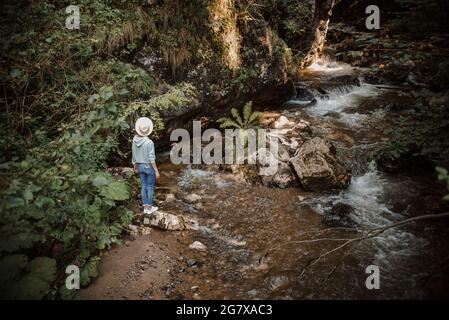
{"x":322,"y":13}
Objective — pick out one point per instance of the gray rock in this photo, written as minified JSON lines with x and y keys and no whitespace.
{"x":347,"y":80}
{"x":283,"y":178}
{"x":145,"y":231}
{"x":192,"y":198}
{"x":318,"y":168}
{"x":167,"y":221}
{"x":191,"y":263}
{"x":304,"y":94}
{"x":133,"y":229}
{"x":339,"y":216}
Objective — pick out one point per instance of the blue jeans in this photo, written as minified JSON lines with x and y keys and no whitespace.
{"x":147,"y":179}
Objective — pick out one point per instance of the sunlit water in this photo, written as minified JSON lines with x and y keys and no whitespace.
{"x":325,"y":64}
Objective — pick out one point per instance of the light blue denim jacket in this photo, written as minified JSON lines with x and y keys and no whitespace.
{"x":143,"y":150}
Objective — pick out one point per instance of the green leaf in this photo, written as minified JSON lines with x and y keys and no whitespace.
{"x":106,"y":93}
{"x":10,"y":267}
{"x":93,"y":98}
{"x":66,"y":294}
{"x":84,"y":253}
{"x":43,"y":268}
{"x":441,"y":171}
{"x":15,"y":202}
{"x":89,"y":271}
{"x":237,"y":117}
{"x":41,"y":201}
{"x":116,"y":190}
{"x":122,"y":92}
{"x":247,"y":112}
{"x":99,"y":181}
{"x":27,"y":195}
{"x":30,"y":287}
{"x":15,"y":73}
{"x":33,"y":285}
{"x":253,"y":117}
{"x":229,"y":123}
{"x":20,"y":240}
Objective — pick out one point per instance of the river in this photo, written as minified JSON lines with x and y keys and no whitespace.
{"x":263,"y":243}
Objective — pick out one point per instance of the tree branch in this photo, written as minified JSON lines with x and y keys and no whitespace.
{"x":368,"y":235}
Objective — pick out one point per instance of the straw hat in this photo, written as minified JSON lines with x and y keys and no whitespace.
{"x":144,"y":126}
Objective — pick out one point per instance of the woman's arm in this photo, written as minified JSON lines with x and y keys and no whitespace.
{"x":133,"y":160}
{"x":152,"y":158}
{"x":156,"y":171}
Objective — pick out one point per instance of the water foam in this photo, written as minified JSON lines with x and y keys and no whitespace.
{"x":340,"y":99}
{"x":367,"y":195}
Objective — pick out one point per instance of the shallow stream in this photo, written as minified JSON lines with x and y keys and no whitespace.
{"x":264,"y":242}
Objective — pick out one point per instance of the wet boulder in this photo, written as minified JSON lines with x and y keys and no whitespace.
{"x":283,"y":178}
{"x":339,"y":216}
{"x":304,"y":94}
{"x":318,"y":168}
{"x":347,"y":80}
{"x":167,"y":221}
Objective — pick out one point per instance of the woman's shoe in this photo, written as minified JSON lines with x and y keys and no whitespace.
{"x":153,"y":209}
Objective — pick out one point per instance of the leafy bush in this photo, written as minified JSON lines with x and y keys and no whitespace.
{"x":423,"y":132}
{"x":57,"y":204}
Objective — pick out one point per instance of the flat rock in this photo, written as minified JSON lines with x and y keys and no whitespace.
{"x":167,"y":221}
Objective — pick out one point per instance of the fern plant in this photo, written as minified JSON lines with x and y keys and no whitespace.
{"x":248,"y":119}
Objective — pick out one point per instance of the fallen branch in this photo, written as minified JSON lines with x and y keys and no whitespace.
{"x":368,"y":235}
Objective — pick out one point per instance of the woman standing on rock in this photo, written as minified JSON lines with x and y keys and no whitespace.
{"x":144,"y":161}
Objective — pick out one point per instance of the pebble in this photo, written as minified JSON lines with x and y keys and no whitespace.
{"x":170,"y":197}
{"x":281,"y":122}
{"x":191,"y":262}
{"x":252,"y":293}
{"x":134,"y":230}
{"x":196,"y":245}
{"x":193,"y":197}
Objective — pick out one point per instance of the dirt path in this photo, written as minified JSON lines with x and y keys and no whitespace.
{"x":140,"y":269}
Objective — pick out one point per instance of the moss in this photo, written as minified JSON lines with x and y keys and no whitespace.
{"x":176,"y":101}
